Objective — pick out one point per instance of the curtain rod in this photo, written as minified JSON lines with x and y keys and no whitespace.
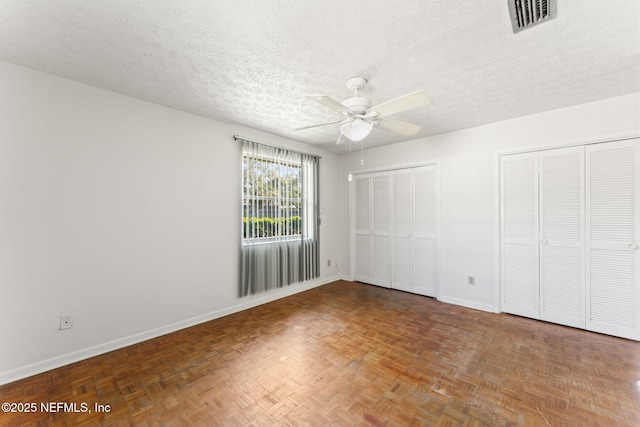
{"x":237,"y":137}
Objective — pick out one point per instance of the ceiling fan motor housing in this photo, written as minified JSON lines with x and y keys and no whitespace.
{"x":357,"y":104}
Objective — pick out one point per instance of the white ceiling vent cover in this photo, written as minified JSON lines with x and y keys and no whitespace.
{"x":527,"y":13}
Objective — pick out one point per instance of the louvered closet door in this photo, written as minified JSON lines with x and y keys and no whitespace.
{"x":562,"y":295}
{"x":519,"y":234}
{"x":425,"y":247}
{"x":613,"y":293}
{"x":362,"y":235}
{"x":401,"y":226}
{"x":380,"y":230}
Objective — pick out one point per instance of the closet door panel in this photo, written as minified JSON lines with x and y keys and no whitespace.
{"x":425,"y":267}
{"x":613,"y":294}
{"x":519,"y":234}
{"x":380,"y":216}
{"x":380,"y":266}
{"x":520,"y":279}
{"x":362,"y":233}
{"x":562,"y":282}
{"x":425,"y":249}
{"x":402,"y":263}
{"x":401,"y":231}
{"x":363,"y":258}
{"x":562,"y":286}
{"x":612,"y":291}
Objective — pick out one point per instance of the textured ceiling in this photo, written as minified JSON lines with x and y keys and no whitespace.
{"x":252,"y":62}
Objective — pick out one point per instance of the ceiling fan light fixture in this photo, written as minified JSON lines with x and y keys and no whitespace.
{"x":356,"y":130}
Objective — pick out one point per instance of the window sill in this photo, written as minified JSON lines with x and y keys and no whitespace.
{"x":272,"y":240}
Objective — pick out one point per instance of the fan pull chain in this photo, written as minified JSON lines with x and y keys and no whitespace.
{"x":362,"y":152}
{"x":350,"y":175}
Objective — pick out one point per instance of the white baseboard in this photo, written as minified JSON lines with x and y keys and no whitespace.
{"x":466,"y":303}
{"x":76,"y":356}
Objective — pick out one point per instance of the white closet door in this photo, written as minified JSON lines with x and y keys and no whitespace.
{"x":380,"y":213}
{"x":362,"y":226}
{"x":425,"y":248}
{"x":613,"y":293}
{"x":562,"y":296}
{"x":519,"y":234}
{"x":401,"y":226}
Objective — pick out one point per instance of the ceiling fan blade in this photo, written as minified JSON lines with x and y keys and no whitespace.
{"x":322,"y":124}
{"x":330,"y":103}
{"x":403,"y":103}
{"x":342,"y":140}
{"x":396,"y":126}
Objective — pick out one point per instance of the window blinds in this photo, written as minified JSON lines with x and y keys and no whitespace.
{"x":280,"y":243}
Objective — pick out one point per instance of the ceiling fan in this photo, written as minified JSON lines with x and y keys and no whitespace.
{"x":359,"y":117}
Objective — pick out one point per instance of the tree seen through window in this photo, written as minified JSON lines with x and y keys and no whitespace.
{"x":272,"y":198}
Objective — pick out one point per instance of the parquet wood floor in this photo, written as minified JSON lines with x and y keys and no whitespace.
{"x":350,"y":354}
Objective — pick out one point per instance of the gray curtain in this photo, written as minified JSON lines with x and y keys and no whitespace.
{"x":282,"y":258}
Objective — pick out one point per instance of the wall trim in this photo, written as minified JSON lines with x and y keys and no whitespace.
{"x":497,"y":215}
{"x":467,"y":303}
{"x":86,"y":353}
{"x":394,"y":167}
{"x":572,"y":143}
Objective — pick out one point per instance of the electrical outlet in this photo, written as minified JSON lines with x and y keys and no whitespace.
{"x":328,"y":263}
{"x":66,"y":322}
{"x":471,"y":280}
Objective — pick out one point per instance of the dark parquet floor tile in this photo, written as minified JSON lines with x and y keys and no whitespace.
{"x":348,"y":354}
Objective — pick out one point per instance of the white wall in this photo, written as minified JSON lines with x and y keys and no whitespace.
{"x":125,"y":214}
{"x":469,"y":182}
{"x":122,"y":213}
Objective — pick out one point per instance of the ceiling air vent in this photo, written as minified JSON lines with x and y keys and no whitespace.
{"x":527,"y":13}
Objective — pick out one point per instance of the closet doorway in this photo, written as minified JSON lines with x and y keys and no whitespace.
{"x":394,"y":227}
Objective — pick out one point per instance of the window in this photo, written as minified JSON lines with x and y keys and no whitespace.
{"x":271,"y":198}
{"x":279,"y":217}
